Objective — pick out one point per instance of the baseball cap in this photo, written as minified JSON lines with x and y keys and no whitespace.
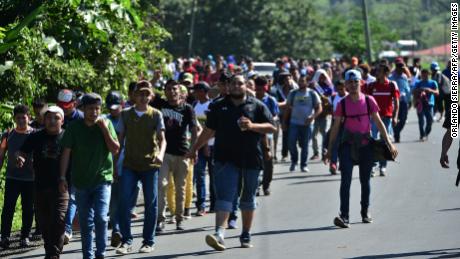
{"x":143,"y":85}
{"x":352,"y":75}
{"x":91,"y":98}
{"x":113,"y":100}
{"x":66,"y":97}
{"x":434,"y":66}
{"x":54,"y":109}
{"x":202,"y":85}
{"x":188,"y":78}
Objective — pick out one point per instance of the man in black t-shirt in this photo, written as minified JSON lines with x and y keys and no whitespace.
{"x":51,"y":203}
{"x":235,"y":120}
{"x":179,"y":118}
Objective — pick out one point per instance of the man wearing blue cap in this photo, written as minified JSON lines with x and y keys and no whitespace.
{"x":353,"y":119}
{"x":442,"y":101}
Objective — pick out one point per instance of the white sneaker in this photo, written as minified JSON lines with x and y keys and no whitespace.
{"x":383,"y":171}
{"x":67,"y":238}
{"x":146,"y":249}
{"x":216,"y":242}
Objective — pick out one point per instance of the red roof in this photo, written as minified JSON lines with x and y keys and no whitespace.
{"x":440,"y":50}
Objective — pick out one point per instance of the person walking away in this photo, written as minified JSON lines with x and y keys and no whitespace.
{"x":442,"y":100}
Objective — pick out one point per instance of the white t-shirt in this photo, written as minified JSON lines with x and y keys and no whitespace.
{"x":370,"y":79}
{"x":200,"y":112}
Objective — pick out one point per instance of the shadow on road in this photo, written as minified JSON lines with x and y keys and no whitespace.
{"x":441,"y":253}
{"x":301,"y":177}
{"x":319,"y":181}
{"x":453,"y":209}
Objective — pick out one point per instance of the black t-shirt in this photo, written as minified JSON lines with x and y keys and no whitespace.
{"x":242,"y":148}
{"x":178,"y":120}
{"x":46,"y":158}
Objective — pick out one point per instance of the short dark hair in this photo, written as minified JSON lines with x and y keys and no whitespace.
{"x":20,"y":109}
{"x":38,"y":102}
{"x":261,"y":81}
{"x":225,"y":76}
{"x":425,"y":71}
{"x":171,"y":82}
{"x":385,"y":68}
{"x":132,"y":86}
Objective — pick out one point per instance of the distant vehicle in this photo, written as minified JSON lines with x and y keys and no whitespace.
{"x":400,"y":48}
{"x":264,"y":68}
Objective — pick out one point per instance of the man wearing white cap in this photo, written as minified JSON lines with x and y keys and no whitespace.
{"x":51,"y":203}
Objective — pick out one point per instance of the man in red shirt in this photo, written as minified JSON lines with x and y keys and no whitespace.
{"x":386,"y":93}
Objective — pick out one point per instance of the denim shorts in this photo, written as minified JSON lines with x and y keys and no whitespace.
{"x":227,"y":177}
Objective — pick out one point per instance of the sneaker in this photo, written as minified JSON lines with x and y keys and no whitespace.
{"x":232,"y":224}
{"x":124,"y":249}
{"x":215,"y":242}
{"x":180,"y":225}
{"x":333,"y":169}
{"x":115,"y":240}
{"x":366,"y":217}
{"x":67,"y":238}
{"x":24,"y":242}
{"x":267,"y":192}
{"x":160,"y":227}
{"x":341,"y":222}
{"x":5,"y":243}
{"x":187,"y":213}
{"x":383,"y":171}
{"x":245,"y":240}
{"x":200,"y":212}
{"x":292,"y":168}
{"x":304,"y":169}
{"x":172,"y":220}
{"x":146,"y":249}
{"x":283,"y":159}
{"x":314,"y":157}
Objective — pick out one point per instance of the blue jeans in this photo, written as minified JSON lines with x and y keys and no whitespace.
{"x":402,"y":118}
{"x":346,"y":168}
{"x":93,"y":208}
{"x":319,"y":127}
{"x":199,"y":178}
{"x":375,"y":134}
{"x":301,"y":134}
{"x":227,"y":180}
{"x":128,"y":186}
{"x":71,"y":211}
{"x":426,"y":114}
{"x":115,"y":198}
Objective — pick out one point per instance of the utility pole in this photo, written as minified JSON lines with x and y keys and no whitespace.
{"x":367,"y":32}
{"x":192,"y":29}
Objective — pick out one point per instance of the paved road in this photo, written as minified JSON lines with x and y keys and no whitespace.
{"x":416,"y":213}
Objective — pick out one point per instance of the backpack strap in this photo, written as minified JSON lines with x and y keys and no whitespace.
{"x":294,"y":92}
{"x":368,"y":106}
